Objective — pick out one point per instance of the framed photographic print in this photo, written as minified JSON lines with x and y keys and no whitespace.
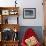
{"x":29,"y":13}
{"x":5,"y":12}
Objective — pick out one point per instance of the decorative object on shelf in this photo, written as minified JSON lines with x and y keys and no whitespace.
{"x":7,"y":34}
{"x":15,"y":34}
{"x":8,"y":11}
{"x":15,"y":30}
{"x":15,"y":37}
{"x":29,"y":13}
{"x":13,"y":12}
{"x":5,"y":12}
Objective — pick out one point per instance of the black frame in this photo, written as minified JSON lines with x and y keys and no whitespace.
{"x":29,"y":17}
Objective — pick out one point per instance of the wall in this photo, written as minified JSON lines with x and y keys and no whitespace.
{"x":7,"y":3}
{"x":39,"y":13}
{"x":27,"y":4}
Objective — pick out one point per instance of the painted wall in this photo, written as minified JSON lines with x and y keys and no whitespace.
{"x":39,"y":13}
{"x":27,"y":4}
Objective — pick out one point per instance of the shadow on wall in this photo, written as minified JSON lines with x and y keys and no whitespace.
{"x":37,"y":29}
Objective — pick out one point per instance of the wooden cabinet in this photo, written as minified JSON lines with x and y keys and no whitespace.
{"x":9,"y":23}
{"x":7,"y":12}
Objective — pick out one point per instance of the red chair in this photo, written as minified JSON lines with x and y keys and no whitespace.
{"x":29,"y":33}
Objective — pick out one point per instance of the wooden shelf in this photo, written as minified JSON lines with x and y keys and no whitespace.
{"x":11,"y":26}
{"x":9,"y":43}
{"x":4,"y":13}
{"x":3,"y":8}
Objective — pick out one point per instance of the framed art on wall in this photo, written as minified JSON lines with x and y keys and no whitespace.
{"x":29,"y":13}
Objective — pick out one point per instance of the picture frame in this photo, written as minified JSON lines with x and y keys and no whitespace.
{"x":29,"y":13}
{"x":5,"y":12}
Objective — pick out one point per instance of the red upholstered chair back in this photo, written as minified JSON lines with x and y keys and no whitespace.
{"x":29,"y":33}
